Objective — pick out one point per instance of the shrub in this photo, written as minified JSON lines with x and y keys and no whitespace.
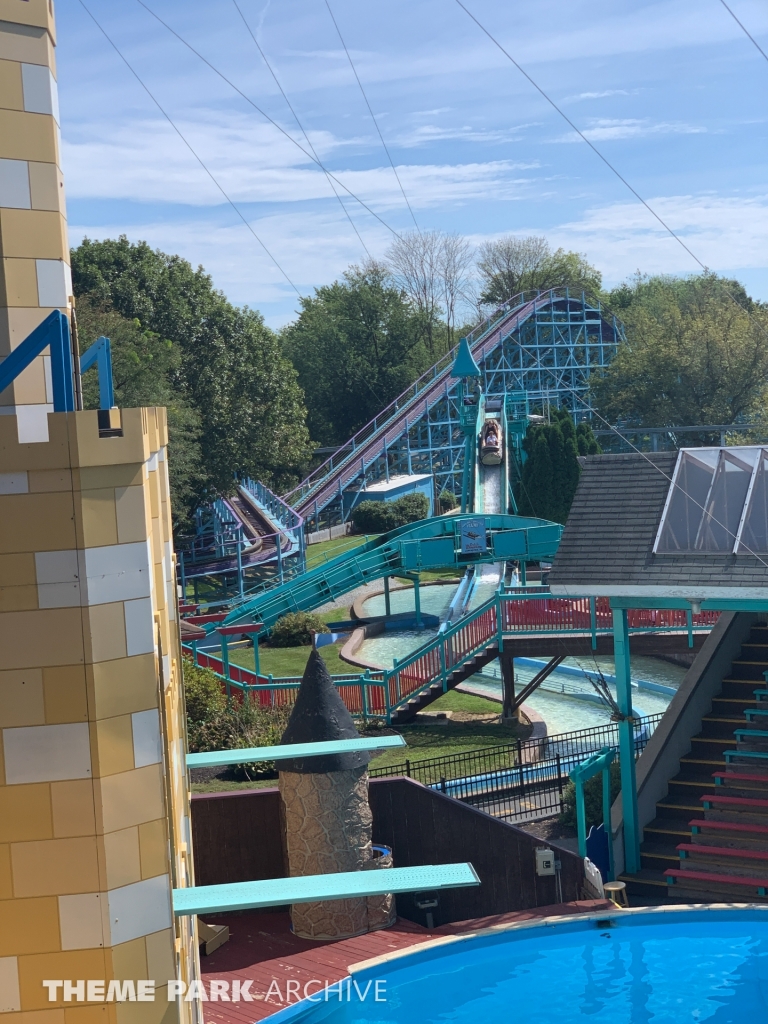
{"x":239,"y":725}
{"x":382,"y":516}
{"x":447,"y":501}
{"x":202,"y":692}
{"x":593,"y":798}
{"x":374,"y":517}
{"x":411,"y":507}
{"x":295,"y":629}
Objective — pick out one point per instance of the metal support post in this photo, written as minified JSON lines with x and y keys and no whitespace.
{"x":606,"y":773}
{"x":387,"y":601}
{"x":278,"y":539}
{"x":363,"y":696}
{"x":240,"y":582}
{"x":507,"y":664}
{"x":468,"y":442}
{"x":581,"y":818}
{"x":256,"y":665}
{"x":593,"y":621}
{"x":225,"y":662}
{"x":523,"y":574}
{"x":417,"y":602}
{"x":626,"y":727}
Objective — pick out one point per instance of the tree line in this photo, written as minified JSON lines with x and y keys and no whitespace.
{"x":243,"y":398}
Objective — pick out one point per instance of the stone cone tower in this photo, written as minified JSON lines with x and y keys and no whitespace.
{"x":326,"y":813}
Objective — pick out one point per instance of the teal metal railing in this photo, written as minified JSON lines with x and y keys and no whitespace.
{"x":381,"y":693}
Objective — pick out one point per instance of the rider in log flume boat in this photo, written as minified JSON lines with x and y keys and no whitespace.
{"x":490,"y":443}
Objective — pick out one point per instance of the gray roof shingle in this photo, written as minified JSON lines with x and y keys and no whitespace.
{"x":609,"y":536}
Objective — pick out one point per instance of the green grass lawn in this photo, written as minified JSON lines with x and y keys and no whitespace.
{"x":316,"y":553}
{"x":454,"y":700}
{"x":290,"y":661}
{"x":424,"y":741}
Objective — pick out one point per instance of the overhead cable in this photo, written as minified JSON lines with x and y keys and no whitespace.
{"x":604,"y":159}
{"x":298,"y":122}
{"x":264,"y":114}
{"x":744,"y":29}
{"x":186,"y":142}
{"x":370,"y":111}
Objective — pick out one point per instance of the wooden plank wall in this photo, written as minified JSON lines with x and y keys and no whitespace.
{"x":238,"y":836}
{"x":426,"y":827}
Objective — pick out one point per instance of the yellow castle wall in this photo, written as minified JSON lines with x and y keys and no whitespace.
{"x":94,"y":807}
{"x":34,"y":276}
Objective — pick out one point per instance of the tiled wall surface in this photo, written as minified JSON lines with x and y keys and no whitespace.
{"x":94,"y":814}
{"x":35,"y":274}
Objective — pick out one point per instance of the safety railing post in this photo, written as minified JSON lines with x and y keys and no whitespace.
{"x":225,"y":663}
{"x":363,"y":696}
{"x":387,"y":702}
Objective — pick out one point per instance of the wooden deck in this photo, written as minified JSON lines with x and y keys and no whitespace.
{"x":262,"y":950}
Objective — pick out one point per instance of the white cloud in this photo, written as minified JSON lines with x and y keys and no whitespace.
{"x":147,"y":162}
{"x":723,"y":232}
{"x":609,"y":129}
{"x":599,"y":95}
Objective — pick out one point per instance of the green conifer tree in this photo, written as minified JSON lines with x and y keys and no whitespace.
{"x":551,"y":471}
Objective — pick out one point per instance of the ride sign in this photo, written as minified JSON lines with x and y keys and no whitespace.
{"x":473,"y":538}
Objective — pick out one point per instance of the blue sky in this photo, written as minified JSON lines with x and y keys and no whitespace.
{"x":672,"y":92}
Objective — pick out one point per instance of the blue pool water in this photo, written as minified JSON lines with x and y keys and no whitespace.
{"x":670,"y":967}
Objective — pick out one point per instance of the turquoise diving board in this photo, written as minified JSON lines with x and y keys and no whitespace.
{"x":276,"y":892}
{"x":218,"y":758}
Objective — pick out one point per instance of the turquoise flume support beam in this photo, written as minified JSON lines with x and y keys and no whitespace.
{"x":277,"y":892}
{"x":247,"y":755}
{"x":428,"y":544}
{"x":626,"y":729}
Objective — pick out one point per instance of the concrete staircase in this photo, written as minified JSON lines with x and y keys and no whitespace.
{"x":709,"y":839}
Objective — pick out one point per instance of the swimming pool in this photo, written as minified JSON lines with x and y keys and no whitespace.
{"x":660,"y":966}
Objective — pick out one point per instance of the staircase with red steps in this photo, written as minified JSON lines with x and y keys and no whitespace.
{"x":709,"y":843}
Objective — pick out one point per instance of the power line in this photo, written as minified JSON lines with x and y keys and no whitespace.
{"x":744,"y":30}
{"x":581,"y":135}
{"x":265,"y":115}
{"x":183,"y":138}
{"x":370,"y":111}
{"x":301,"y":126}
{"x":604,"y":159}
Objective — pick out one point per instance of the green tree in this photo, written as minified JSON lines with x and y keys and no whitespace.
{"x":143,"y":369}
{"x":357,"y":344}
{"x":551,"y":470}
{"x":692,"y":355}
{"x":511,"y":265}
{"x":235,"y":399}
